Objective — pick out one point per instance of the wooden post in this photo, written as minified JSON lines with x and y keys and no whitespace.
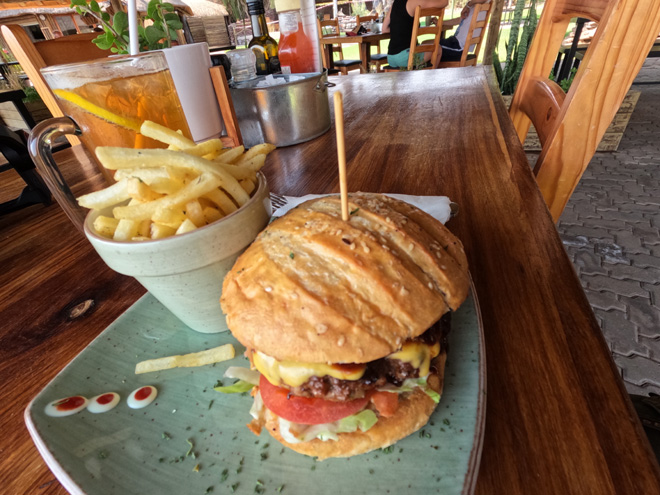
{"x":493,"y":30}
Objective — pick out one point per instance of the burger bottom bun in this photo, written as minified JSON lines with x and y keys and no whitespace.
{"x":413,"y":413}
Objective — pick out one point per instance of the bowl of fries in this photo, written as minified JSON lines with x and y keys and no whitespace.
{"x":176,"y":219}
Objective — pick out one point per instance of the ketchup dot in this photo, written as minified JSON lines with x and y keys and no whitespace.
{"x":70,"y":403}
{"x":143,"y":393}
{"x":105,"y":399}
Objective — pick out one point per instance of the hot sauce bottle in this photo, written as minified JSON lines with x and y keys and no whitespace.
{"x":296,"y":48}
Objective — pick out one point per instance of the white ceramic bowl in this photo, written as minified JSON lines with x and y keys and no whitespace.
{"x":185,"y":272}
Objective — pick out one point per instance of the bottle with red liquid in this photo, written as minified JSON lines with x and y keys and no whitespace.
{"x":296,"y":50}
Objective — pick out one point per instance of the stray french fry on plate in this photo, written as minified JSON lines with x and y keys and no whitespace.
{"x":202,"y":358}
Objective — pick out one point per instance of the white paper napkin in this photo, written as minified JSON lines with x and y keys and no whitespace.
{"x":436,"y":206}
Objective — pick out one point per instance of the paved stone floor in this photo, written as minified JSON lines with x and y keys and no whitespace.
{"x":610,"y":230}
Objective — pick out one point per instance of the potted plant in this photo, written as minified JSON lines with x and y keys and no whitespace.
{"x":508,"y":70}
{"x":158,"y":35}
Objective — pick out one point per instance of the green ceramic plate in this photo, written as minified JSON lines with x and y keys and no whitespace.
{"x":144,"y":451}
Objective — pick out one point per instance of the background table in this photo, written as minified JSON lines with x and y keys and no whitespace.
{"x":558,"y":418}
{"x":364,"y":40}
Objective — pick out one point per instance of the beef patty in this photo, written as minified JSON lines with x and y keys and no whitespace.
{"x":378,"y":373}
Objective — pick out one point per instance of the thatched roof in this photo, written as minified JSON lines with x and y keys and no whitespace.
{"x":11,"y":8}
{"x":205,"y":8}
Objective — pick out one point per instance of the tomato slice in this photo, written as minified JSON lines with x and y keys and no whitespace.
{"x":306,"y":410}
{"x":387,"y":403}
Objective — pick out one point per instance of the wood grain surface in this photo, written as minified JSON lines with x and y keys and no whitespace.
{"x":558,"y":418}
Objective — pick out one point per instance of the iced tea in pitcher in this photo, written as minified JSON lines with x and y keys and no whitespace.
{"x":110,"y":98}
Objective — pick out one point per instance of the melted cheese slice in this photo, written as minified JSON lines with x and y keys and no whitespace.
{"x":294,"y":374}
{"x":418,"y":354}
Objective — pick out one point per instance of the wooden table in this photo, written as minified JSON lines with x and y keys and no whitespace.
{"x":364,"y":40}
{"x":558,"y":418}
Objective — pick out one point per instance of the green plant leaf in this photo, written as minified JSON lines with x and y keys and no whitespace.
{"x":81,"y":3}
{"x":152,"y":9}
{"x":153,"y":34}
{"x":104,"y":41}
{"x":171,"y":17}
{"x":120,"y":21}
{"x":105,"y":16}
{"x":94,"y":6}
{"x":175,"y":23}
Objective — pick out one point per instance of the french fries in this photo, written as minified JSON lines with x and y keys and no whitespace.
{"x":194,"y":359}
{"x":165,"y":192}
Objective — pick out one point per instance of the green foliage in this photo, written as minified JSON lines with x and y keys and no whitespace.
{"x":237,"y":9}
{"x":115,"y":35}
{"x":359,"y":9}
{"x":508,"y":70}
{"x":31,"y":95}
{"x":565,"y":84}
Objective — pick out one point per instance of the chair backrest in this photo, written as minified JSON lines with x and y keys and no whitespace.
{"x":361,"y":19}
{"x":570,"y":126}
{"x":419,"y":30}
{"x":35,"y":56}
{"x":475,"y":36}
{"x":330,"y":27}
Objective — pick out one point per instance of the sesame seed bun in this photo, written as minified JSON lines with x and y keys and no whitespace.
{"x":314,"y":288}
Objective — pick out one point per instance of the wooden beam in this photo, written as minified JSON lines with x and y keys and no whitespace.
{"x":493,"y":31}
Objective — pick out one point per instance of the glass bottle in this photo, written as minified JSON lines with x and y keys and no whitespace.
{"x":296,"y":52}
{"x":263,"y":46}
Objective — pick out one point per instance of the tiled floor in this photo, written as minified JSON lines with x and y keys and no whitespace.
{"x":611,"y":228}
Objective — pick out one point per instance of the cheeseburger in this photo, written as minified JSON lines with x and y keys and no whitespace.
{"x":346,"y":322}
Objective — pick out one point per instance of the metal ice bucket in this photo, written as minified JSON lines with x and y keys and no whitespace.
{"x":289,"y":113}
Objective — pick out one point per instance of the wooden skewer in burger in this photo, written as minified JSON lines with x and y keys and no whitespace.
{"x":343,"y":305}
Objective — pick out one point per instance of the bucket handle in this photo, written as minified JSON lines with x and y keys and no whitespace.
{"x":323,"y":83}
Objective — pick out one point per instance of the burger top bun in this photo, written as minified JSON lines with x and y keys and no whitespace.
{"x":313,"y":288}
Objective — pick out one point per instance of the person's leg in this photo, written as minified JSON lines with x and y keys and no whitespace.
{"x":400,"y":59}
{"x":451,"y":50}
{"x":427,"y":55}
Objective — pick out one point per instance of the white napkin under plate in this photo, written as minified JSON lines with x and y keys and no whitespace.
{"x":436,"y":206}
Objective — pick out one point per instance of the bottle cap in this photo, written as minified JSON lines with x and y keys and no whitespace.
{"x":284,"y":5}
{"x":256,"y":7}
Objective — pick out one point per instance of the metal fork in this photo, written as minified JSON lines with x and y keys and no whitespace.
{"x":277,"y":201}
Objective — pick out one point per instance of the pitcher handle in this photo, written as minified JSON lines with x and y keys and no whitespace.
{"x":40,"y":146}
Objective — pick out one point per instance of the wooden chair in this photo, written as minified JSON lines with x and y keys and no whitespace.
{"x":475,"y":36}
{"x":13,"y":148}
{"x":35,"y":56}
{"x":343,"y":65}
{"x":418,"y":30}
{"x":570,"y":126}
{"x":379,"y":59}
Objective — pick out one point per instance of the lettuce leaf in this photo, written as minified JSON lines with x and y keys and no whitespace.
{"x":236,"y":388}
{"x":410,"y":384}
{"x":245,"y":374}
{"x":296,"y":433}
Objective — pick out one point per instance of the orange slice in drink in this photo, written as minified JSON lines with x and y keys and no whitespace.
{"x":96,"y":110}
